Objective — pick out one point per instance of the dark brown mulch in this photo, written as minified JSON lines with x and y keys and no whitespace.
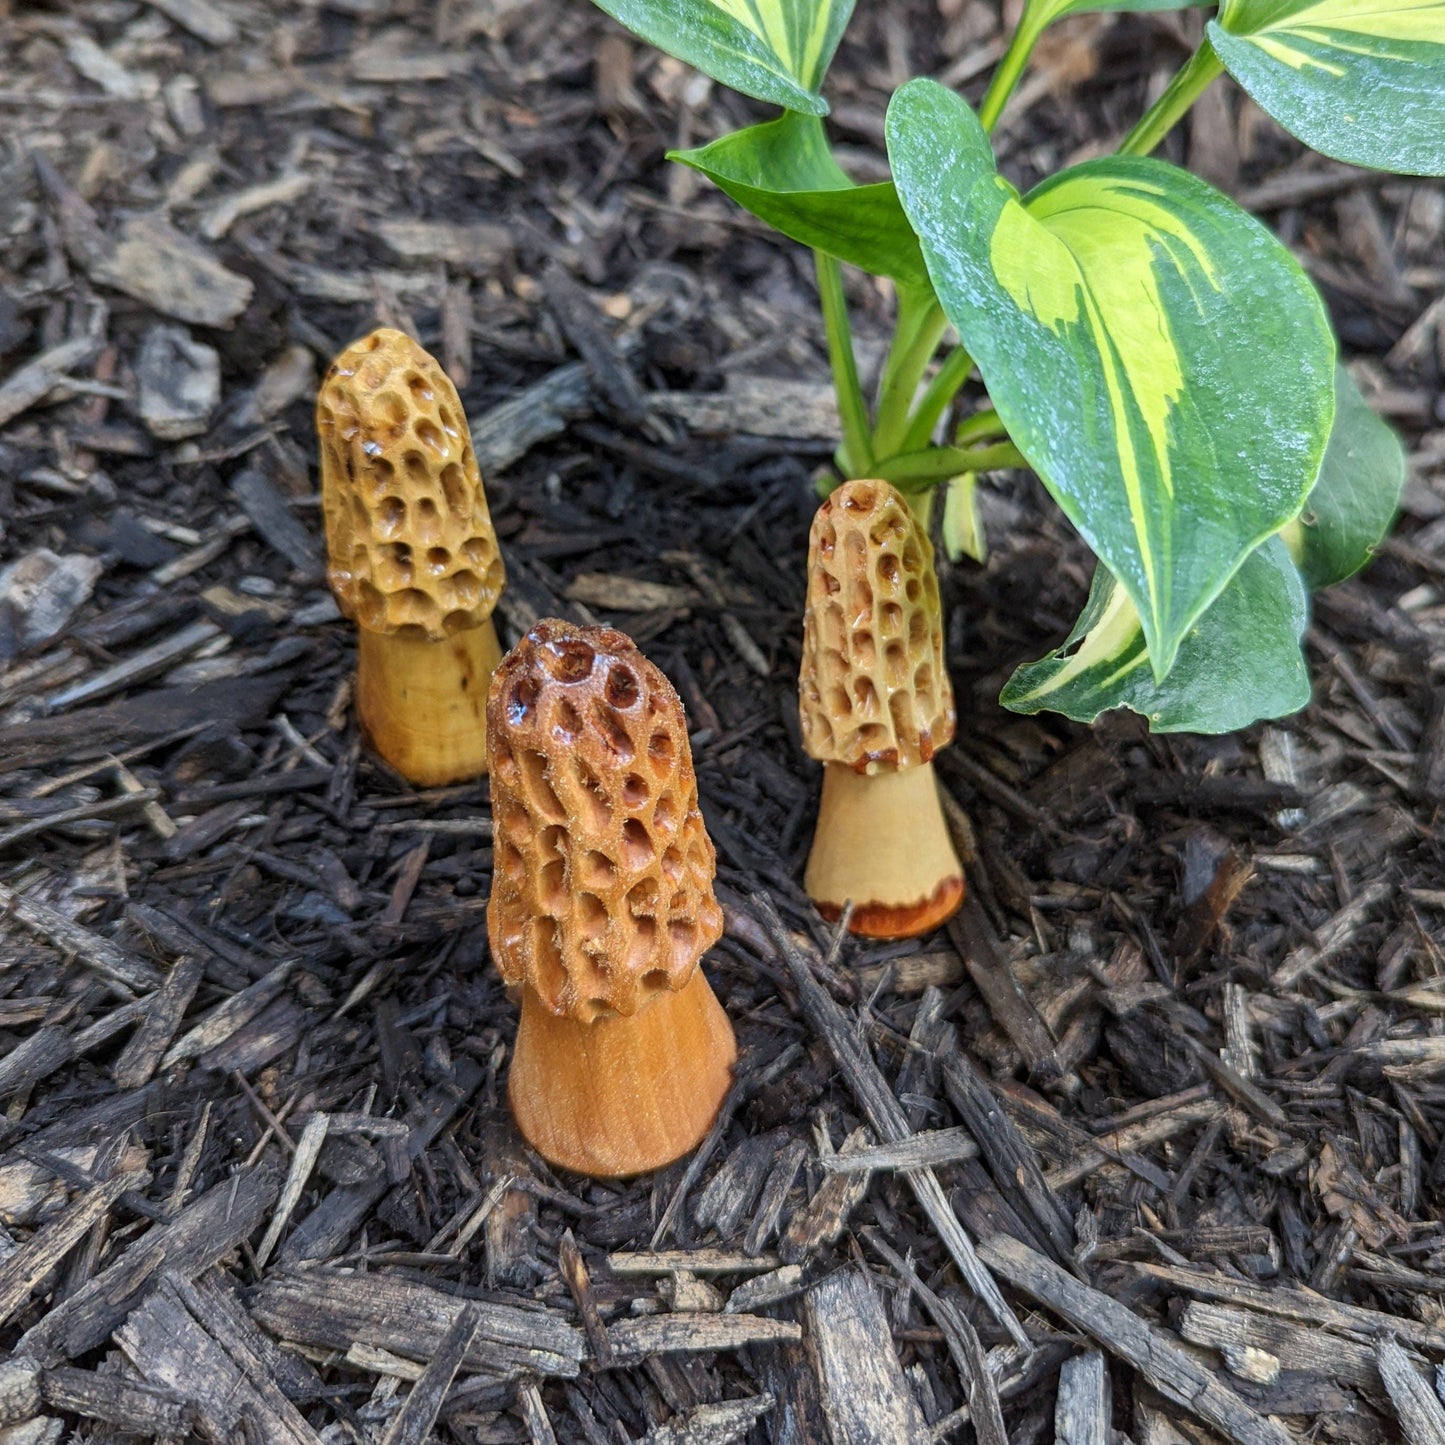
{"x":1169,"y":1090}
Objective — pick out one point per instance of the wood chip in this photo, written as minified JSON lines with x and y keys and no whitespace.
{"x":414,"y":1421}
{"x":885,"y":1114}
{"x":865,"y":1396}
{"x":23,"y":1271}
{"x":34,"y":381}
{"x":171,"y":273}
{"x":195,"y":1239}
{"x":334,"y":1309}
{"x":1173,"y":1372}
{"x":1417,"y":1406}
{"x":687,"y":1333}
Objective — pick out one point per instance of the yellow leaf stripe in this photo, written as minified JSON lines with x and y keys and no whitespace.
{"x":794,"y":30}
{"x":1093,"y":252}
{"x":1332,"y":23}
{"x":1117,"y":633}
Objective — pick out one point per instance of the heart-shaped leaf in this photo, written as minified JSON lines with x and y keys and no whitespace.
{"x":1360,"y":80}
{"x":1240,"y":662}
{"x":1157,"y":356}
{"x":784,"y":172}
{"x":773,"y":50}
{"x":1350,"y":509}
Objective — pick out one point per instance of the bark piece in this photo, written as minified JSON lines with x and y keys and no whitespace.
{"x":1171,"y":1371}
{"x":865,"y":1395}
{"x":196,"y":1238}
{"x":175,"y":275}
{"x":39,"y":593}
{"x":414,"y":1421}
{"x":336,"y":1310}
{"x":23,"y":1270}
{"x":179,"y":381}
{"x":1082,"y":1414}
{"x":171,"y":1350}
{"x":1416,"y":1405}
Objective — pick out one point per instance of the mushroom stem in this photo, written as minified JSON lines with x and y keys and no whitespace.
{"x":622,"y":1095}
{"x":882,"y":842}
{"x":423,"y":704}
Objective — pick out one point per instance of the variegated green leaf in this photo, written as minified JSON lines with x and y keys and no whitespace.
{"x":1157,"y":356}
{"x":774,"y":50}
{"x":1360,"y":80}
{"x":1350,"y":509}
{"x":1240,"y":662}
{"x":785,"y":174}
{"x":1039,"y":13}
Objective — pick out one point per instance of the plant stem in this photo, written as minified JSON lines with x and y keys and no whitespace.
{"x":856,"y":455}
{"x":947,"y":381}
{"x":920,"y":503}
{"x":921,"y":324}
{"x":937,"y":464}
{"x":1011,"y":67}
{"x":981,"y":426}
{"x":1187,"y":86}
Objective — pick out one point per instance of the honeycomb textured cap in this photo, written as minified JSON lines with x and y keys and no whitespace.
{"x":873,"y":692}
{"x":602,"y":869}
{"x":411,"y":544}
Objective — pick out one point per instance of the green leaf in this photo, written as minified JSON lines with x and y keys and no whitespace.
{"x":785,"y":174}
{"x":773,"y":50}
{"x":1353,"y":503}
{"x":1157,"y":356}
{"x":1040,"y":13}
{"x":1360,"y":80}
{"x":963,"y":533}
{"x":1240,"y":662}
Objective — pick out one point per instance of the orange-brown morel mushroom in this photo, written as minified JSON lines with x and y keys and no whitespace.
{"x":413,"y":557}
{"x":876,"y":705}
{"x":602,"y":905}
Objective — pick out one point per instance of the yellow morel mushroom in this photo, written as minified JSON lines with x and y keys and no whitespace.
{"x":602,"y":905}
{"x":413,"y":557}
{"x":876,"y":704}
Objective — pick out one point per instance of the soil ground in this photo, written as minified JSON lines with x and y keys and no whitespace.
{"x":1191,"y":1020}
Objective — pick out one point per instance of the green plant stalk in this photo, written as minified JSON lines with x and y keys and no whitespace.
{"x":947,"y":381}
{"x":921,"y":324}
{"x":1189,"y":83}
{"x":920,"y":470}
{"x":1011,"y":67}
{"x":981,"y":426}
{"x":856,"y":454}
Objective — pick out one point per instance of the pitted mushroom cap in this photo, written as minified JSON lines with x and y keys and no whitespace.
{"x":873,"y":692}
{"x":410,"y":539}
{"x":602,"y":868}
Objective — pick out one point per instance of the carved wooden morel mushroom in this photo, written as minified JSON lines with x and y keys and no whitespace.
{"x":413,"y":557}
{"x":876,"y":704}
{"x":602,"y":904}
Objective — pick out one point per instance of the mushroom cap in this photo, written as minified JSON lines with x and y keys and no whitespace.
{"x":602,"y":869}
{"x":411,"y":544}
{"x":873,"y":692}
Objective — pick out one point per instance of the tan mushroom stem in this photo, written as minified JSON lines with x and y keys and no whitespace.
{"x":413,"y":557}
{"x":602,"y":905}
{"x":621,"y":1095}
{"x":875,"y":705}
{"x":882,"y":843}
{"x":422,"y":705}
